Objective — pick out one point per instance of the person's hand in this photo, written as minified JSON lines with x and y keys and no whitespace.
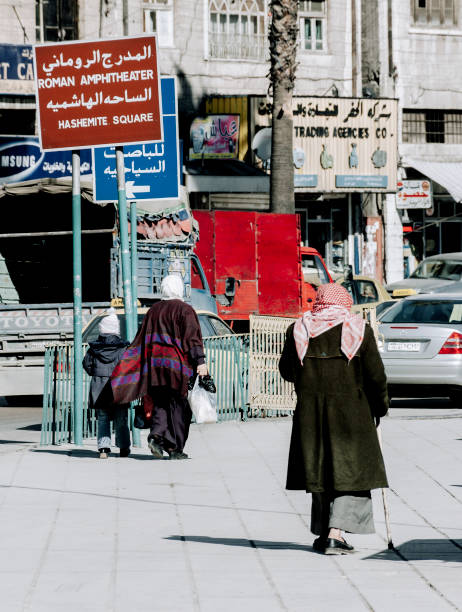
{"x":202,"y":369}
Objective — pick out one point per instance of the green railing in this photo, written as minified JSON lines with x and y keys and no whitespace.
{"x":58,"y":397}
{"x":227,"y":360}
{"x":228,"y":363}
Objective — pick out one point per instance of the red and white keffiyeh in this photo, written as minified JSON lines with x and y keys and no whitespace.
{"x":331,"y":308}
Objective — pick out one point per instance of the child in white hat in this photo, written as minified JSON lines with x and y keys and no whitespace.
{"x":99,"y":362}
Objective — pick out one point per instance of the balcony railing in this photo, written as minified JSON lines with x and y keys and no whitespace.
{"x":238,"y":46}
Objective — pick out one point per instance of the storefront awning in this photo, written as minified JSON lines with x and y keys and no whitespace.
{"x":225,"y":176}
{"x":446,"y":174}
{"x":59,"y":185}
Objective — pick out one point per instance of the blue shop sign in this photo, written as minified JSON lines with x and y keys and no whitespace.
{"x":305,"y":180}
{"x":16,"y":69}
{"x":371,"y":181}
{"x":21,"y":159}
{"x":152,"y":170}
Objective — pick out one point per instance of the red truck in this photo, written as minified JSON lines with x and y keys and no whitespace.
{"x":273,"y":274}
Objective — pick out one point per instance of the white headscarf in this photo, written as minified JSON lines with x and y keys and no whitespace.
{"x":110,"y":323}
{"x":172,"y":287}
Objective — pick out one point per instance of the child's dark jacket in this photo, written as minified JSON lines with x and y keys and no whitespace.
{"x":99,"y":362}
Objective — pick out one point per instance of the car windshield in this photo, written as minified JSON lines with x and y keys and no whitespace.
{"x":424,"y":311}
{"x":439,"y":268}
{"x":313,"y":270}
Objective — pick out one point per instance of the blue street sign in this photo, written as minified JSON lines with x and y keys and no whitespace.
{"x":152,"y":170}
{"x":21,"y":159}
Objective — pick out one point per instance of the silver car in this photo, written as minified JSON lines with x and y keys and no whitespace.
{"x":434,"y":272}
{"x":421,"y":346}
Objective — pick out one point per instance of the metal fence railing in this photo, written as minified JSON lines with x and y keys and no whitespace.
{"x":269,"y":393}
{"x":228,"y":363}
{"x":227,"y":360}
{"x":58,"y":397}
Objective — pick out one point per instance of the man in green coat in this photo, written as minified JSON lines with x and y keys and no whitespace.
{"x":332,"y":358}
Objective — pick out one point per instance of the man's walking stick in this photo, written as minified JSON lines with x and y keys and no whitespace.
{"x":384,"y":499}
{"x":370,"y":315}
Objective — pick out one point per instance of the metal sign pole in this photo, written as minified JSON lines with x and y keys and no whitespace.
{"x":126,"y":266}
{"x":134,"y":282}
{"x":124,"y":245}
{"x":134,"y":262}
{"x":77,"y":290}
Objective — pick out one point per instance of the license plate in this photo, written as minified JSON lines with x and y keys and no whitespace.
{"x":404,"y":346}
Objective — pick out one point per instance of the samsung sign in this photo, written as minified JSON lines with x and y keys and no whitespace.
{"x":16,"y":69}
{"x":21,"y":159}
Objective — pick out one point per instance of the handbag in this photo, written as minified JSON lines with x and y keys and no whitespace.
{"x":203,"y":402}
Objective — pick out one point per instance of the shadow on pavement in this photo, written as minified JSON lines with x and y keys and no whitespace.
{"x":17,"y":442}
{"x":85,"y":454}
{"x":268,"y":545}
{"x":421,"y":402}
{"x":22,"y":401}
{"x":423,"y":550}
{"x":34,"y":427}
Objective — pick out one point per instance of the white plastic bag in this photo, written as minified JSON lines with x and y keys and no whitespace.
{"x":203,"y":404}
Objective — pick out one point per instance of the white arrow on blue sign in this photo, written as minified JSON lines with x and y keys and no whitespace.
{"x":152,"y":170}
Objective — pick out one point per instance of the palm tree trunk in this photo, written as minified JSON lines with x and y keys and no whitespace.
{"x":283,"y":47}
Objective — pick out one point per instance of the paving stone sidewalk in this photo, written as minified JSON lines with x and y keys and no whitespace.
{"x":219,"y":533}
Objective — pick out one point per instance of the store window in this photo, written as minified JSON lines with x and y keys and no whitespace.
{"x":434,"y":12}
{"x":237,"y":29}
{"x":158,"y":19}
{"x":312,"y":16}
{"x":56,"y":20}
{"x":424,"y":126}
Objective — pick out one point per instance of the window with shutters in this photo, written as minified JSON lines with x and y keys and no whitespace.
{"x":56,"y":20}
{"x":312,"y":16}
{"x":158,"y":19}
{"x":435,"y":13}
{"x":237,"y":29}
{"x":432,"y":126}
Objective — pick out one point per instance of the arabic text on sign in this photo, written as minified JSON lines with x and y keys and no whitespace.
{"x":97,"y":57}
{"x":99,"y":99}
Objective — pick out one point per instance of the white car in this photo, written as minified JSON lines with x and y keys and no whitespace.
{"x":421,"y":346}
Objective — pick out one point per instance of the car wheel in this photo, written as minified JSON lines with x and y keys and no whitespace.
{"x":456,"y":398}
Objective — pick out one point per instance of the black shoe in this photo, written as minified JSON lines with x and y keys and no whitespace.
{"x":176,"y":455}
{"x":319,"y":545}
{"x":124,"y":452}
{"x":337,"y":547}
{"x":156,"y":449}
{"x":104,"y":453}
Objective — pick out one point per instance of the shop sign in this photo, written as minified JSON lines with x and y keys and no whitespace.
{"x":152,"y":170}
{"x":21,"y":159}
{"x":414,"y":194}
{"x":215,"y":137}
{"x":348,"y":144}
{"x":16,"y":69}
{"x":104,"y":92}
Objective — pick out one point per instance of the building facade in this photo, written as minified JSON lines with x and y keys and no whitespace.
{"x":218,"y":50}
{"x":409,"y":52}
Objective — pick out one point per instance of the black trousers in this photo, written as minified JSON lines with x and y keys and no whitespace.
{"x":171,"y":418}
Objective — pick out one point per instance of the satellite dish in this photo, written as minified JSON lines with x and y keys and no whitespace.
{"x":261,"y":144}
